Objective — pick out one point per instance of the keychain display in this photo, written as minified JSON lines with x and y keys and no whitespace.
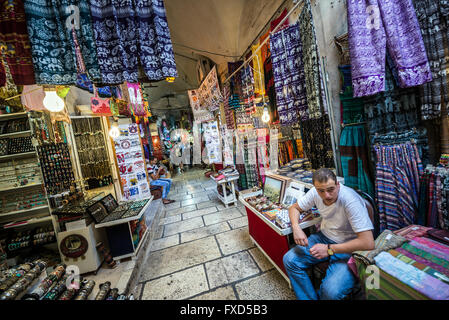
{"x":56,"y":167}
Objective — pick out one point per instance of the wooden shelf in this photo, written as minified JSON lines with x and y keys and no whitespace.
{"x":22,"y":211}
{"x":14,"y":134}
{"x":9,"y":116}
{"x":21,"y":187}
{"x":17,"y":155}
{"x":29,"y":222}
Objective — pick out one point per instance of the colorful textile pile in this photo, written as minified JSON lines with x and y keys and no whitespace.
{"x":416,"y":267}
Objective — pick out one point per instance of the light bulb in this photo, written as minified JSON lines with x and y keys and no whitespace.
{"x":170,"y":79}
{"x":265,"y":115}
{"x":114,"y":132}
{"x":52,"y":102}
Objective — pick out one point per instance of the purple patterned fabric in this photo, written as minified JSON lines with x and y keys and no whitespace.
{"x":289,"y":76}
{"x":374,"y":25}
{"x":433,"y":244}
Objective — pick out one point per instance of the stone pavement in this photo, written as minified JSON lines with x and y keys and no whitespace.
{"x":202,"y":250}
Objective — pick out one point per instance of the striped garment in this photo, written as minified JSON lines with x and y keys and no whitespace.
{"x":354,"y":159}
{"x":398,"y":169}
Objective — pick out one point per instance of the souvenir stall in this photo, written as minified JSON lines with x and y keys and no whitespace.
{"x":388,"y":137}
{"x":71,"y":142}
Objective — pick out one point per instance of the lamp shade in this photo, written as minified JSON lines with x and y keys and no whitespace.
{"x":114,"y":132}
{"x":52,"y":102}
{"x":265,"y":115}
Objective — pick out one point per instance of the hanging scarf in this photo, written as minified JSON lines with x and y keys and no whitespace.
{"x":50,"y":24}
{"x":14,"y":35}
{"x":126,"y":31}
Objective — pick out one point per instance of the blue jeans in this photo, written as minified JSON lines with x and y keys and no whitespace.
{"x":165,"y":184}
{"x":339,"y":279}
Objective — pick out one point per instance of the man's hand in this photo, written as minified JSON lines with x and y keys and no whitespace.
{"x":319,"y":251}
{"x":300,"y":237}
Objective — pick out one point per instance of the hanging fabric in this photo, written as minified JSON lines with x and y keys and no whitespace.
{"x":434,"y":198}
{"x":100,"y":107}
{"x":50,"y":24}
{"x":14,"y":38}
{"x":433,"y":17}
{"x":314,"y":86}
{"x":259,"y":80}
{"x":289,"y":77}
{"x":316,"y":139}
{"x":128,"y":31}
{"x":354,"y":156}
{"x":395,"y":27}
{"x":398,"y":171}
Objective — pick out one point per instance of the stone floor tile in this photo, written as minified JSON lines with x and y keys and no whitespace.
{"x":197,"y":213}
{"x":166,"y":261}
{"x":184,"y":225}
{"x":204,"y":232}
{"x":234,"y":241}
{"x":170,"y":219}
{"x":262,"y":261}
{"x":268,"y":286}
{"x":173,"y":212}
{"x":224,"y":293}
{"x":220,"y":216}
{"x":230,"y":269}
{"x":239,"y":222}
{"x":194,"y":201}
{"x":165,"y":242}
{"x":177,"y":286}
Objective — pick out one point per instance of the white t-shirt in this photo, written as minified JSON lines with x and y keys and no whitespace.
{"x":344,"y":218}
{"x":152,"y":170}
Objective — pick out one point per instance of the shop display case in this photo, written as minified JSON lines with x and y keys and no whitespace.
{"x":268,"y":222}
{"x":25,"y":219}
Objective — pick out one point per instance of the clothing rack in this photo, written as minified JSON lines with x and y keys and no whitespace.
{"x":298,"y":2}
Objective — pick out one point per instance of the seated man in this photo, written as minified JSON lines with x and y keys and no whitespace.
{"x":155,"y":173}
{"x":345,"y":228}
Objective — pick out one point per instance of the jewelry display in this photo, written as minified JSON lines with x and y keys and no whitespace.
{"x":46,"y":284}
{"x":86,"y":289}
{"x":56,"y":167}
{"x":92,"y":152}
{"x":23,"y":282}
{"x":104,"y":291}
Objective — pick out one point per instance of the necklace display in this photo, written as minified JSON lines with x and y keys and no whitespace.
{"x":92,"y":153}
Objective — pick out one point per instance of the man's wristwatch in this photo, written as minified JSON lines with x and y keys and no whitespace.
{"x":330,"y":252}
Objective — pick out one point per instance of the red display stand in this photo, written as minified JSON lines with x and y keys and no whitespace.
{"x":271,"y":240}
